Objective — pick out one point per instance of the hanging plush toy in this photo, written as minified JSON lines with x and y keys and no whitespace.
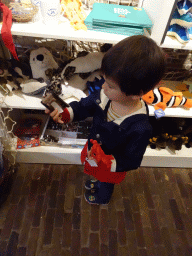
{"x":162,"y":98}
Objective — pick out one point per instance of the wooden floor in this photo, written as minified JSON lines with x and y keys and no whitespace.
{"x":150,"y":213}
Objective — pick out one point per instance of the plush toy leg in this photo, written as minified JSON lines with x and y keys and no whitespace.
{"x":181,"y":33}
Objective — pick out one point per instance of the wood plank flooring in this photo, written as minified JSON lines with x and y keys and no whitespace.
{"x":150,"y":214}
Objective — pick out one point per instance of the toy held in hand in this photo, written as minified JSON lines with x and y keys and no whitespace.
{"x":53,"y":101}
{"x":162,"y":98}
{"x":98,"y":154}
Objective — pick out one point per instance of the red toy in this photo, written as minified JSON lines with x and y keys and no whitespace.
{"x":98,"y":154}
{"x":6,"y":30}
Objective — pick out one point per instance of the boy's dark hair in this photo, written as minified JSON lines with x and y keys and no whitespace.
{"x":136,"y":64}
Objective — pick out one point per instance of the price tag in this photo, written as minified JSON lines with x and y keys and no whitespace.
{"x":92,"y":162}
{"x":159,"y":113}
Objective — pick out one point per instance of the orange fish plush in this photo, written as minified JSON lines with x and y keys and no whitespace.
{"x":163,"y":97}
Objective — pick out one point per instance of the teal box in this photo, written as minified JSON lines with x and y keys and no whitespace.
{"x":114,"y":29}
{"x":120,"y":15}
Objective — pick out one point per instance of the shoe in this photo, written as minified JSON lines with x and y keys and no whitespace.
{"x":91,"y":197}
{"x":91,"y":184}
{"x":184,"y":20}
{"x":184,"y":6}
{"x":179,"y":32}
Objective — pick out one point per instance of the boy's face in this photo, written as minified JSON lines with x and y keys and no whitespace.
{"x":113,"y":91}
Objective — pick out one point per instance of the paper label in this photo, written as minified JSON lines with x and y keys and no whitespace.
{"x":92,"y":162}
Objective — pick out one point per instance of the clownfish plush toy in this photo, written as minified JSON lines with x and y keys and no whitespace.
{"x":163,"y":97}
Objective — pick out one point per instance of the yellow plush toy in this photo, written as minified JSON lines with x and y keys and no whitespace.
{"x":74,"y":11}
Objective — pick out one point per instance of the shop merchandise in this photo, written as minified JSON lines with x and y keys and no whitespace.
{"x":163,"y":97}
{"x":74,"y":134}
{"x":50,"y":12}
{"x":75,"y":12}
{"x":181,"y":22}
{"x":6,"y":30}
{"x":118,"y":19}
{"x":84,"y":69}
{"x":28,"y":133}
{"x":5,"y":88}
{"x":41,"y":59}
{"x":83,"y":64}
{"x":171,"y":132}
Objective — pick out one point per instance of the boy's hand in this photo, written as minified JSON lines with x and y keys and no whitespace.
{"x":55,"y":115}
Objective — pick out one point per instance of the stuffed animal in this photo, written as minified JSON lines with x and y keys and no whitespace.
{"x":181,"y":22}
{"x":159,"y":141}
{"x":32,"y":87}
{"x":83,"y":64}
{"x":85,"y":68}
{"x":20,"y":71}
{"x":41,"y":59}
{"x":160,"y":134}
{"x":6,"y":79}
{"x":176,"y":142}
{"x":75,"y":12}
{"x":163,"y":97}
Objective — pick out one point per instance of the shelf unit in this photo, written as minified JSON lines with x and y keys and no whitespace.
{"x":62,"y":155}
{"x":160,"y":13}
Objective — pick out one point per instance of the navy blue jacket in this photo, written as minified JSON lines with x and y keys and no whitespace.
{"x":126,"y":138}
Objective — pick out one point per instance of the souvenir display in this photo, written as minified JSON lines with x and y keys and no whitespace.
{"x":181,"y":22}
{"x":118,"y":19}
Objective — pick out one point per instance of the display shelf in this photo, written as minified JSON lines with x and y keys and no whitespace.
{"x":23,"y":101}
{"x":58,"y":155}
{"x":167,"y":158}
{"x":172,"y":42}
{"x":62,"y":31}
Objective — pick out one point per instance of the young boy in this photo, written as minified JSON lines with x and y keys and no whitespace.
{"x":121,"y":129}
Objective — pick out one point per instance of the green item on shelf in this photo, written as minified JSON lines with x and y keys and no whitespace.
{"x":124,"y":30}
{"x":120,"y":15}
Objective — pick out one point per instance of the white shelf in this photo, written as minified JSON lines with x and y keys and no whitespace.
{"x":65,"y":31}
{"x":167,"y":158}
{"x":62,"y":31}
{"x":172,"y":42}
{"x":57,"y":155}
{"x":49,"y":154}
{"x":22,"y":101}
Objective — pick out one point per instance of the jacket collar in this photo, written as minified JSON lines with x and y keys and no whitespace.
{"x":104,"y":100}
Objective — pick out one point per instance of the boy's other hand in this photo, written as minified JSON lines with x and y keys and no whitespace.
{"x":55,"y":115}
